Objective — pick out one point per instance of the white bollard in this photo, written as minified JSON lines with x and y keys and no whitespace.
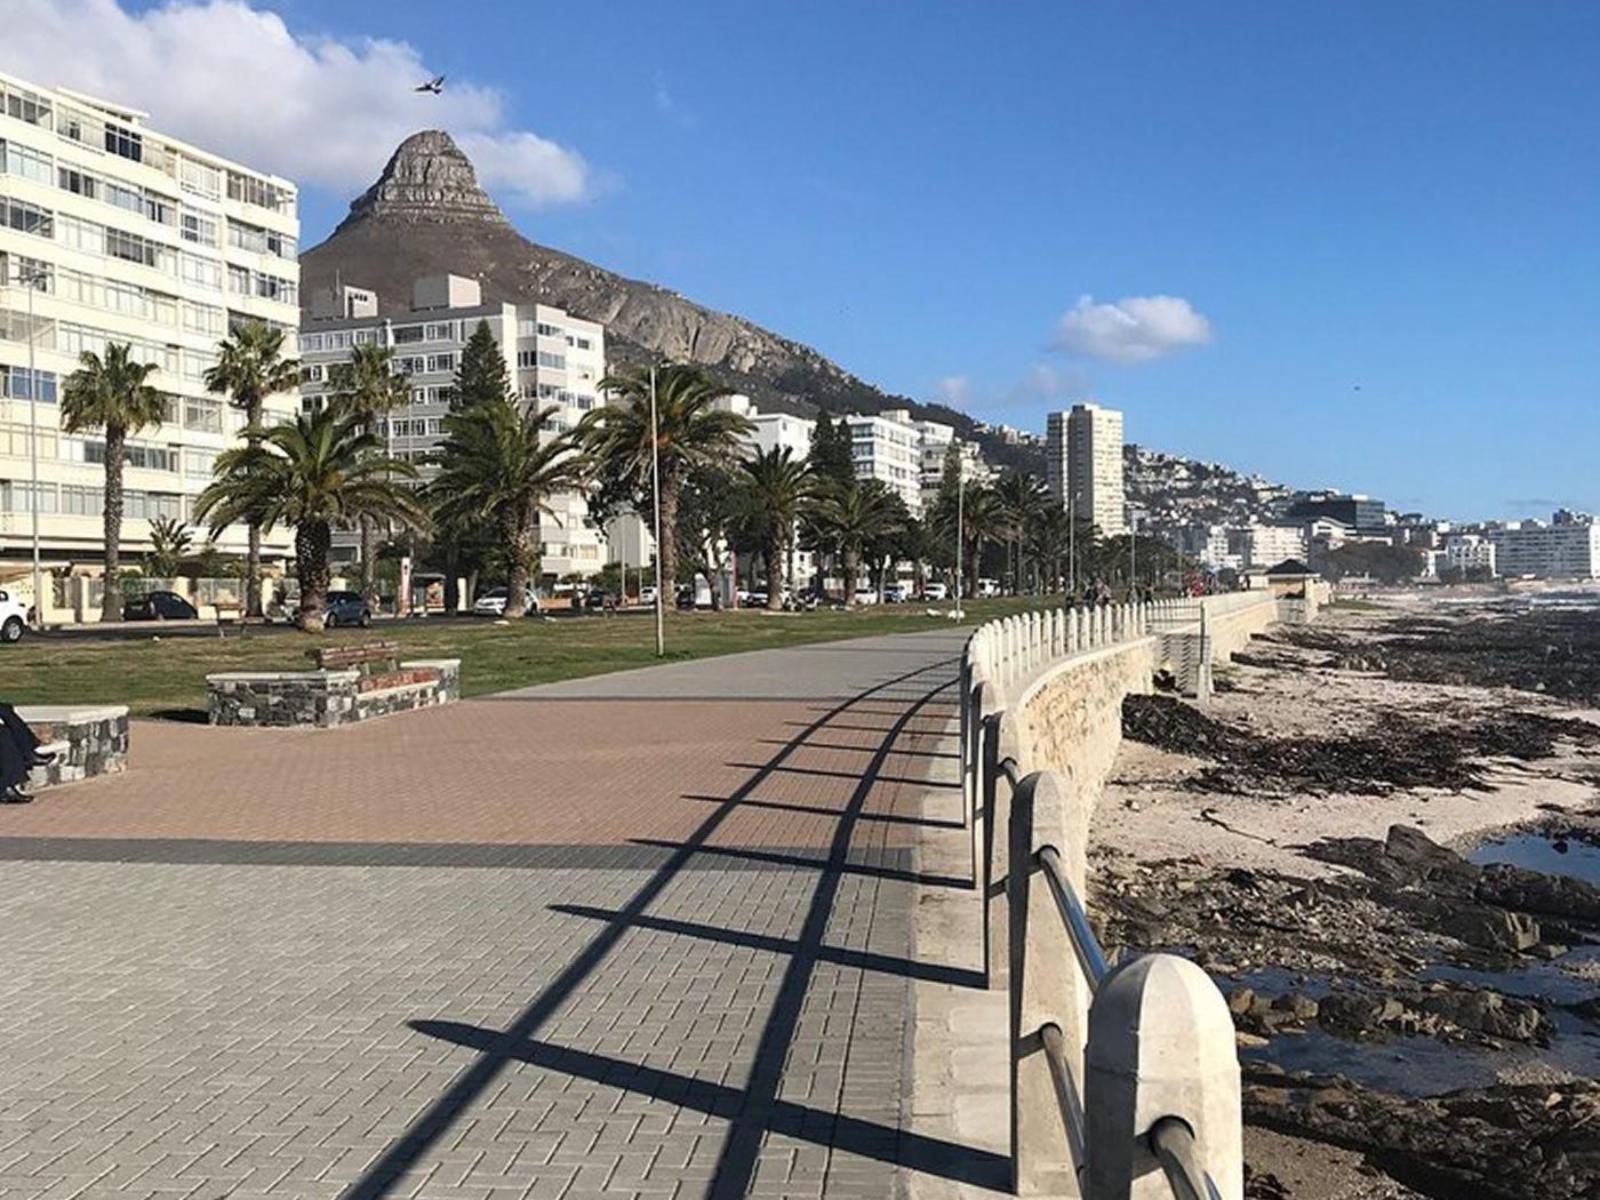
{"x":1161,"y":1044}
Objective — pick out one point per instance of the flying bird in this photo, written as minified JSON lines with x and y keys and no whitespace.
{"x":434,"y":85}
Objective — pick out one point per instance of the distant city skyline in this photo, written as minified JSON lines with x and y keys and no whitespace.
{"x":1283,"y":240}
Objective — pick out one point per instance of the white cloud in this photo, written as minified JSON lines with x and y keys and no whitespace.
{"x":1134,"y":329}
{"x":319,"y":110}
{"x":954,"y":390}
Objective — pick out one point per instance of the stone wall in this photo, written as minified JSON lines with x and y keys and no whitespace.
{"x":1230,"y":628}
{"x":327,"y":699}
{"x":86,"y":741}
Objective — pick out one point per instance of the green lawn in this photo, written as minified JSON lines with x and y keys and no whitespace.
{"x":166,"y":675}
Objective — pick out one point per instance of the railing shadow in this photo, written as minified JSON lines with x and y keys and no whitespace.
{"x":755,"y":1109}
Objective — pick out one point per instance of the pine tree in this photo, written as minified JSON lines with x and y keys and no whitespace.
{"x":831,"y":457}
{"x":482,"y":375}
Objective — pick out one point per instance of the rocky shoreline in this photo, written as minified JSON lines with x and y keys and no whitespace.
{"x":1437,"y":1016}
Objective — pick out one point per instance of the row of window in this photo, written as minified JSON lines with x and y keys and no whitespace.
{"x":19,"y":383}
{"x":244,"y":282}
{"x":431,"y":331}
{"x":260,"y":241}
{"x":81,"y":287}
{"x":416,"y":364}
{"x":549,"y":391}
{"x":541,"y":358}
{"x":337,"y":339}
{"x":415,"y":427}
{"x":73,"y":500}
{"x":95,"y":132}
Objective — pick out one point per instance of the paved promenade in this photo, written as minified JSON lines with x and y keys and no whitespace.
{"x":646,"y":935}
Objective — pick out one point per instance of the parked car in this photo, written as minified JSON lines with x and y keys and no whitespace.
{"x":346,"y":608}
{"x":492,"y":603}
{"x":647,"y":594}
{"x":13,"y":618}
{"x":935,"y":591}
{"x":754,"y":600}
{"x":988,"y":588}
{"x":158,"y":606}
{"x":896,"y":593}
{"x":866,"y":595}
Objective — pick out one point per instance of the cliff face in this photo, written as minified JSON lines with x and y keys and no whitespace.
{"x":426,"y":215}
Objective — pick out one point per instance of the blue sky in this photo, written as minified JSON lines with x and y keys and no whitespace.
{"x":1379,"y":220}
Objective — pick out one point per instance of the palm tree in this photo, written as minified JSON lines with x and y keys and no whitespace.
{"x":1047,"y":544}
{"x":497,"y":465}
{"x":311,"y":472}
{"x":982,"y":520}
{"x":690,"y":431}
{"x":170,"y":543}
{"x":853,"y":517}
{"x":368,"y":387}
{"x":250,"y":367}
{"x":111,"y":394}
{"x":1021,"y":498}
{"x":777,"y":486}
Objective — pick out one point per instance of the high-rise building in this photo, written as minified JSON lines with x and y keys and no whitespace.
{"x":1083,"y":465}
{"x":114,"y":233}
{"x":888,"y":447}
{"x":1570,"y":550}
{"x":1361,"y":513}
{"x":552,"y":358}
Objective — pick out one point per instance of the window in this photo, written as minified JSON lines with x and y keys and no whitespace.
{"x":443,"y":331}
{"x":584,"y":343}
{"x":311,"y":341}
{"x":204,"y":320}
{"x":405,"y":335}
{"x":202,"y":415}
{"x":82,"y":501}
{"x":441,"y":362}
{"x":17,"y":383}
{"x":130,"y":247}
{"x":29,"y":164}
{"x":124,"y":142}
{"x":364,"y":337}
{"x":247,"y":189}
{"x":27,"y":218}
{"x":200,"y":179}
{"x":160,"y":209}
{"x":79,"y":183}
{"x":16,"y":496}
{"x":27,"y":106}
{"x":15,"y":269}
{"x":555,"y":361}
{"x":138,"y":454}
{"x":130,"y":199}
{"x":313,"y":373}
{"x":548,"y":330}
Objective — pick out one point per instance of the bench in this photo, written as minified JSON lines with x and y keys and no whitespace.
{"x":349,"y":683}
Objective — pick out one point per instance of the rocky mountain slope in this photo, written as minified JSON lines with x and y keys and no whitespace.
{"x":426,"y":214}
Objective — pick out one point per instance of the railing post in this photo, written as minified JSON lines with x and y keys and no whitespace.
{"x":1161,"y":1044}
{"x":1002,"y":743}
{"x":1047,"y":987}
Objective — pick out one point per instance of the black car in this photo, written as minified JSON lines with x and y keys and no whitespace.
{"x":158,"y":606}
{"x":346,"y":608}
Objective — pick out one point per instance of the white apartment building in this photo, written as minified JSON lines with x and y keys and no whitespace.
{"x":888,"y":447}
{"x":1267,"y":545}
{"x":551,"y":357}
{"x":1209,"y":545}
{"x":771,"y":430}
{"x":127,"y":236}
{"x":1083,"y":465}
{"x":1469,"y":552}
{"x":1570,"y":550}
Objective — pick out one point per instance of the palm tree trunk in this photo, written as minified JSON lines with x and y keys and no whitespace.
{"x":852,"y":560}
{"x":668,"y":545}
{"x":519,"y":538}
{"x":777,"y":572}
{"x":369,"y":576}
{"x":312,"y":541}
{"x":111,"y":601}
{"x":252,"y":558}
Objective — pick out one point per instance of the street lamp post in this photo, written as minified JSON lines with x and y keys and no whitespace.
{"x":31,"y":278}
{"x":1072,"y":544}
{"x":655,"y":489}
{"x":961,"y":505}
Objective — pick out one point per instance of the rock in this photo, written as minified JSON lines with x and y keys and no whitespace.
{"x":1301,"y":1008}
{"x":1418,"y":859}
{"x":1240,"y":1001}
{"x":1493,"y":928}
{"x":1534,"y":891}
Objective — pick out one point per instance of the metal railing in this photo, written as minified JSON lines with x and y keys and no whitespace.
{"x":1120,"y":1075}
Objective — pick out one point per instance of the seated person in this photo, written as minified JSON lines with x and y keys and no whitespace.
{"x":19,"y":754}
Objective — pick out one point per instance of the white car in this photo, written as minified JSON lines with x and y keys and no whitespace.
{"x":493,"y":603}
{"x":935,"y":591}
{"x":866,"y":595}
{"x":647,"y":594}
{"x":13,"y":618}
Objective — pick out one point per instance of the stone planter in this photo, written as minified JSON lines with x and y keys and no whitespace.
{"x":86,"y":741}
{"x":327,"y":699}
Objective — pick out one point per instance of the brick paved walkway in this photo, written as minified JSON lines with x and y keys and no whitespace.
{"x":645,"y":936}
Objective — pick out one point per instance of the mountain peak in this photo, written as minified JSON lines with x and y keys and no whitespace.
{"x":428,"y":180}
